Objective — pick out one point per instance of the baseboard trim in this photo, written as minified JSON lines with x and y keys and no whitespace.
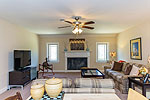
{"x":3,"y":90}
{"x":66,"y":70}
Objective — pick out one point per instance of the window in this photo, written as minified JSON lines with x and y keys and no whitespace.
{"x":52,"y":52}
{"x":102,"y":50}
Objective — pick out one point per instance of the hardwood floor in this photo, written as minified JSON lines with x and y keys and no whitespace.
{"x":26,"y":91}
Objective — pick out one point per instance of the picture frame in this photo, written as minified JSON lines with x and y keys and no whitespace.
{"x":77,"y":44}
{"x":135,"y":49}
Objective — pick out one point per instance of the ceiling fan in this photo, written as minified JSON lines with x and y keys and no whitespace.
{"x":77,"y":23}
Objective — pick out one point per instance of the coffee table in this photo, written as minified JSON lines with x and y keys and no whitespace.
{"x":91,"y":72}
{"x":89,"y":97}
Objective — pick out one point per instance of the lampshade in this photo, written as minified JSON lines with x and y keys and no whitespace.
{"x":148,"y":59}
{"x":112,"y":54}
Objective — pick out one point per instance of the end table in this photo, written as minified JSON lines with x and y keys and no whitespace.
{"x":137,"y":81}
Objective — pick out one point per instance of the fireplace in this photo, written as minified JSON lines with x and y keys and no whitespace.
{"x":76,"y":63}
{"x":76,"y":59}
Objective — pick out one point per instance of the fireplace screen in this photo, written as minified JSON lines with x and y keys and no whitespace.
{"x":77,"y":44}
{"x":76,"y":63}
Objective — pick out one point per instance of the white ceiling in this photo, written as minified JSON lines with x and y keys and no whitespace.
{"x":42,"y":16}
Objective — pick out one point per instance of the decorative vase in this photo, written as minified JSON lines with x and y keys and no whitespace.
{"x":37,"y":91}
{"x":53,"y":87}
{"x":143,"y":71}
{"x":87,"y":49}
{"x":65,"y":49}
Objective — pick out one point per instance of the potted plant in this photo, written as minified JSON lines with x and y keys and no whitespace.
{"x":87,"y":48}
{"x":65,"y":46}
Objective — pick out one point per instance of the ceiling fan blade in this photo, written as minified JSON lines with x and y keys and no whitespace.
{"x":64,"y":26}
{"x":62,"y":19}
{"x":68,"y":22}
{"x":88,"y":27}
{"x":90,"y":22}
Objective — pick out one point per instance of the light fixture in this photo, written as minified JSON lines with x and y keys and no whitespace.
{"x":77,"y":31}
{"x":112,"y":54}
{"x":148,"y":59}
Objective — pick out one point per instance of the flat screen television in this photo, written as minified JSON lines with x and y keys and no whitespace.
{"x":22,"y":59}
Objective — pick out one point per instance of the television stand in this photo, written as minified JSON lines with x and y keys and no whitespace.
{"x":20,"y":78}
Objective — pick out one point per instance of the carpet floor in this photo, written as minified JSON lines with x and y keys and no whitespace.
{"x":26,"y":91}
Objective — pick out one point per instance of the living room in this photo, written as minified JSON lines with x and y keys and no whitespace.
{"x":32,"y":25}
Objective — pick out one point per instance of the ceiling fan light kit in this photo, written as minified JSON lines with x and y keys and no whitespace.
{"x":77,"y":31}
{"x":77,"y":25}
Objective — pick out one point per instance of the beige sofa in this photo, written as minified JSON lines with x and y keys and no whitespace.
{"x":84,"y":85}
{"x":120,"y":79}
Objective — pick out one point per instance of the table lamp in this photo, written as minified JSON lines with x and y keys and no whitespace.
{"x":148,"y":62}
{"x":112,"y":54}
{"x":143,"y":70}
{"x":148,"y":59}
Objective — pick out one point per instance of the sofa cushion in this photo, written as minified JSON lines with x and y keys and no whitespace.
{"x":67,"y":83}
{"x":93,"y":83}
{"x":88,"y":90}
{"x":117,"y":66}
{"x":119,"y":79}
{"x":134,"y":70}
{"x":110,"y":71}
{"x":128,"y":69}
{"x":107,"y":70}
{"x":85,"y":83}
{"x":105,"y":83}
{"x":114,"y":75}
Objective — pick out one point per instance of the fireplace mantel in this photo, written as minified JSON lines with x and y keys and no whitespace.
{"x":76,"y":54}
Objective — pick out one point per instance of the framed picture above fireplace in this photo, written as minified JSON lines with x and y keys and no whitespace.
{"x":77,"y":44}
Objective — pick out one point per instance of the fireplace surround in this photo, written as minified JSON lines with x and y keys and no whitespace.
{"x":77,"y":55}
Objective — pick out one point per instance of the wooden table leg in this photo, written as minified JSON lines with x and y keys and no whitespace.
{"x":130,"y":86}
{"x":103,"y":76}
{"x":144,"y":90}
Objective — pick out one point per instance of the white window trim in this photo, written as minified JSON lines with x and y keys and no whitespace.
{"x":51,"y":43}
{"x":102,"y":61}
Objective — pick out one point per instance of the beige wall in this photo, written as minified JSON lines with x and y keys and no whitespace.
{"x":124,"y":38}
{"x":91,"y":39}
{"x":13,"y":37}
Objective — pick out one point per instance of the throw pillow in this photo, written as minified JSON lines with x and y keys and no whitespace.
{"x":124,"y":66}
{"x":112,"y":64}
{"x":128,"y":69}
{"x":134,"y":70}
{"x":117,"y":66}
{"x":121,"y":61}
